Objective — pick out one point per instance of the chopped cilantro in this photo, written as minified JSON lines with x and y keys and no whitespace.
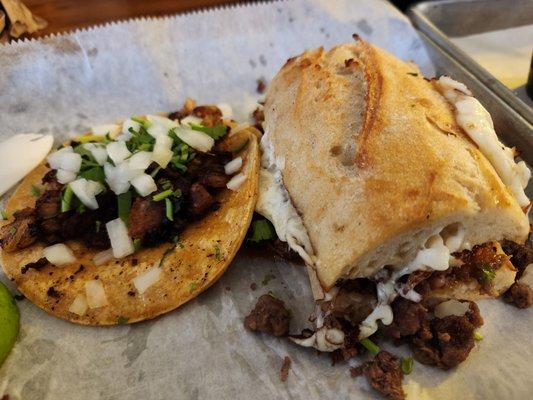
{"x":98,"y":225}
{"x":162,"y":195}
{"x":166,"y":184}
{"x":216,"y":132}
{"x":177,"y":164}
{"x":478,"y":336}
{"x":412,"y":73}
{"x":94,"y":174}
{"x":407,"y":365}
{"x":124,"y":206}
{"x":169,"y":209}
{"x":488,"y":274}
{"x":35,"y":191}
{"x":175,"y":238}
{"x":193,"y":286}
{"x":66,"y":199}
{"x":370,"y":346}
{"x":217,"y":253}
{"x":80,"y":209}
{"x":122,"y":320}
{"x":155,"y":171}
{"x":137,"y":244}
{"x":5,"y":215}
{"x":272,"y":294}
{"x":261,"y":229}
{"x":141,"y":120}
{"x":141,"y":140}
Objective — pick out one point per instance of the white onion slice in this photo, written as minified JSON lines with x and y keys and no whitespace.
{"x":103,"y":257}
{"x":140,"y":160}
{"x":162,"y":121}
{"x":197,"y":140}
{"x":121,"y":243}
{"x":95,"y":294}
{"x":191,"y":119}
{"x":86,"y":191}
{"x":66,"y":159}
{"x":65,"y":177}
{"x":144,"y":184}
{"x":79,"y":305}
{"x":236,"y":182}
{"x":162,"y":153}
{"x":451,"y":307}
{"x":129,"y":123}
{"x":102,"y":130}
{"x":157,"y":130}
{"x":59,"y":254}
{"x":143,"y":281}
{"x":226,"y":110}
{"x":233,"y":166}
{"x":99,"y":152}
{"x":118,"y":151}
{"x":118,"y":178}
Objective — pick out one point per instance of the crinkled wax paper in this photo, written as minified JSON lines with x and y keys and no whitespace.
{"x":67,"y":83}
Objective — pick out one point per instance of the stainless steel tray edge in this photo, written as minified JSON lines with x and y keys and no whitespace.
{"x":513,"y":119}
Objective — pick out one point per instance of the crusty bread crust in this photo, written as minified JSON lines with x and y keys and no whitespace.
{"x":375,"y":162}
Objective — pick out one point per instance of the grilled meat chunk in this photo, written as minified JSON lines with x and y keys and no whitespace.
{"x":20,"y":233}
{"x":384,"y":373}
{"x":146,"y":216}
{"x":200,"y":200}
{"x":269,"y":316}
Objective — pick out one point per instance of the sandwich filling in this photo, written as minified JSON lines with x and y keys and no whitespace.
{"x":355,"y":309}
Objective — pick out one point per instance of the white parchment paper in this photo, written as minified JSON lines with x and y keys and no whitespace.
{"x":65,"y":84}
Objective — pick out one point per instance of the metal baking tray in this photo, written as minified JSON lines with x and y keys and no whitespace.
{"x":439,"y":20}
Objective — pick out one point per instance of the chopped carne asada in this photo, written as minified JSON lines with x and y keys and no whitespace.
{"x":384,"y":373}
{"x":269,"y":316}
{"x":158,"y":175}
{"x":285,"y":367}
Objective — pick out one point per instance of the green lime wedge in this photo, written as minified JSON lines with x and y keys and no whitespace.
{"x":9,"y":322}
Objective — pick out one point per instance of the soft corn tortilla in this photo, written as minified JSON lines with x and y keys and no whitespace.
{"x":188,"y":267}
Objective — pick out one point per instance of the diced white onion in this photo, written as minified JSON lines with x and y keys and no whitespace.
{"x":227,"y":111}
{"x":102,"y":130}
{"x":103,"y":257}
{"x":65,"y":159}
{"x":144,"y":184}
{"x":143,"y":281}
{"x":124,"y":137}
{"x":140,"y":160}
{"x":118,"y":178}
{"x":157,"y":130}
{"x":233,"y":166}
{"x":118,"y":151}
{"x":95,"y":294}
{"x":65,"y":177}
{"x":191,"y":119}
{"x":86,"y":191}
{"x":162,"y":153}
{"x":197,"y":140}
{"x":236,"y":182}
{"x":129,"y":123}
{"x":451,"y":307}
{"x":98,"y":151}
{"x":121,"y":243}
{"x":162,"y":121}
{"x":79,"y":305}
{"x":59,"y":254}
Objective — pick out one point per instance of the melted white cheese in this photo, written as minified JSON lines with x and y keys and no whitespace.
{"x":275,"y":205}
{"x":435,"y":255}
{"x":477,"y":123}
